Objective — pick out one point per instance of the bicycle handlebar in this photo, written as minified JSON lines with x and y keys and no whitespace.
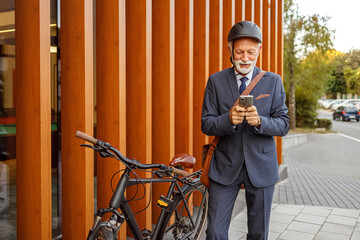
{"x":86,"y":137}
{"x":131,"y":162}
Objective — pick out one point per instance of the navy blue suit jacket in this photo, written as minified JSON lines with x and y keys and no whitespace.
{"x":244,"y":143}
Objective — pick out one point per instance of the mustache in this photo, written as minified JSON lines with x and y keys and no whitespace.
{"x":242,"y":62}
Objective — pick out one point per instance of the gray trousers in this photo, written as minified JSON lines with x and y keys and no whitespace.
{"x":221,"y":203}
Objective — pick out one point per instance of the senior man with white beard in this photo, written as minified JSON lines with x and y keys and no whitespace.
{"x":246,"y":152}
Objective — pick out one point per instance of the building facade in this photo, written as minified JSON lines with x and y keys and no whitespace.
{"x":132,"y":73}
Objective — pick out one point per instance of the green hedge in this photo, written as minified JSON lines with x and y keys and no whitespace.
{"x":324,"y":123}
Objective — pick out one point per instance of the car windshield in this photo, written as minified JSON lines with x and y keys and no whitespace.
{"x":351,"y":109}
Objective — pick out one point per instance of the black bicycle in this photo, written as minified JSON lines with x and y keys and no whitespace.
{"x":183,"y":209}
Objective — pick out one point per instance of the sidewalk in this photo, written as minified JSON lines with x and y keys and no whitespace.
{"x":299,"y":222}
{"x":320,"y":199}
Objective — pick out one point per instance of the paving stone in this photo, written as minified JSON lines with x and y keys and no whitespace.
{"x":319,"y":211}
{"x":236,"y":235}
{"x":239,"y":226}
{"x":308,"y":218}
{"x":337,"y":228}
{"x":355,"y":236}
{"x":341,"y":220}
{"x":281,"y":218}
{"x":330,"y":236}
{"x":273,"y":236}
{"x":304,"y":227}
{"x":241,"y":216}
{"x":346,"y":212}
{"x":289,"y":209}
{"x":294,"y":235}
{"x":277,"y":227}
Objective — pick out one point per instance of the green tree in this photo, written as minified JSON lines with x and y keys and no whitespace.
{"x":302,"y":36}
{"x":317,"y":69}
{"x":352,"y":78}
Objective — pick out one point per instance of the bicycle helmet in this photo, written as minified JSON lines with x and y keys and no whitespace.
{"x":245,"y":29}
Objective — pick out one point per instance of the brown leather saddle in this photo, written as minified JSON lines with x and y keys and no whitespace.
{"x":184,"y":160}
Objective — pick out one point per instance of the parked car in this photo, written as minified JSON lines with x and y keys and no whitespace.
{"x":346,"y":113}
{"x":357,"y":104}
{"x":344,"y":103}
{"x":326,"y":103}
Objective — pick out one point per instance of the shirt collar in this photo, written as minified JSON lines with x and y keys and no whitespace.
{"x":238,"y":75}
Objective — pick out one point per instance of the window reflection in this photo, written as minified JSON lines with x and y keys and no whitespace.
{"x":8,"y":120}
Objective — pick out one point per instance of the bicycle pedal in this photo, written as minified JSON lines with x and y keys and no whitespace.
{"x":164,"y":203}
{"x":146,"y":233}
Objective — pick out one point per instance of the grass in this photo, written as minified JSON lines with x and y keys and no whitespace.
{"x":310,"y":130}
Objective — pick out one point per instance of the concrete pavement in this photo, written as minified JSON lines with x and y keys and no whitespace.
{"x":320,"y":199}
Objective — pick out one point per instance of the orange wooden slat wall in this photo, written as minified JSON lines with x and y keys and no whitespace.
{"x":280,"y":59}
{"x":266,"y":36}
{"x":239,"y":7}
{"x":200,"y":73}
{"x":258,"y":20}
{"x":273,"y":36}
{"x":139,"y":97}
{"x":183,"y":77}
{"x":249,"y":10}
{"x":215,"y":36}
{"x":163,"y":99}
{"x":33,"y":129}
{"x":110,"y":92}
{"x":228,"y":22}
{"x":76,"y":114}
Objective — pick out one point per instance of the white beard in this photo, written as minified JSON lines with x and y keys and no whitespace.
{"x":244,"y":70}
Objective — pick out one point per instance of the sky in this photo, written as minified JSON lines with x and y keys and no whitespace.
{"x":345,"y":20}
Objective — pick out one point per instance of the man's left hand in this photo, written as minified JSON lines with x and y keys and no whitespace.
{"x":252,"y":116}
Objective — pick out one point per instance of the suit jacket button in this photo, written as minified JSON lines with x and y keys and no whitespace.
{"x":241,"y":150}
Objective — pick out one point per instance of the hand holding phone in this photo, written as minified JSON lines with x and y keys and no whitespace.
{"x":245,"y":100}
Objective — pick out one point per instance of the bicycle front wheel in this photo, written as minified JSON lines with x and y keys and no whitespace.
{"x":187,"y":223}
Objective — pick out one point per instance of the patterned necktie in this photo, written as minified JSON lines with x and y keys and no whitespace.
{"x":243,"y":84}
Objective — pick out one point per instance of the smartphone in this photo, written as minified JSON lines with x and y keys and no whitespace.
{"x":246,"y":100}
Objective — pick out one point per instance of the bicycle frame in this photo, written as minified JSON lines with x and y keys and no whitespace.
{"x":119,"y":200}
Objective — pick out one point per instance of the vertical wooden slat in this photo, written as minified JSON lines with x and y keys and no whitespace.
{"x":258,"y":21}
{"x":183,"y":77}
{"x":280,"y":39}
{"x":76,"y":87}
{"x":273,"y":36}
{"x":280,"y":58}
{"x":111,"y":91}
{"x":33,"y":129}
{"x":266,"y":36}
{"x":248,"y":10}
{"x":138,"y":97}
{"x":163,"y":98}
{"x":227,"y":24}
{"x":239,"y":16}
{"x":215,"y":37}
{"x":201,"y":66}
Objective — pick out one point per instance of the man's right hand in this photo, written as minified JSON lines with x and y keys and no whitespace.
{"x":237,"y":114}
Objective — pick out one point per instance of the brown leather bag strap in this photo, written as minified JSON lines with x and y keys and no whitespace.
{"x":246,"y":92}
{"x":253,"y":83}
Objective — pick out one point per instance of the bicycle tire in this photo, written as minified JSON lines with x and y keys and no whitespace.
{"x":177,"y":224}
{"x":104,"y":233}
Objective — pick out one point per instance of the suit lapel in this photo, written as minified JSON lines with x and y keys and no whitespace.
{"x":233,"y":84}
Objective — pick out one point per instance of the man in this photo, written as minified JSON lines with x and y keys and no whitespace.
{"x":246,"y":151}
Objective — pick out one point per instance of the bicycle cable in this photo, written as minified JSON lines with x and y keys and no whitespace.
{"x":112,"y":178}
{"x":151,"y":182}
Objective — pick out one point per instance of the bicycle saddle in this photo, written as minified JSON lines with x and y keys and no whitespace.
{"x":184,"y":160}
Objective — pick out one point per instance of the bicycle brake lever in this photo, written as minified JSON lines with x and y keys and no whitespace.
{"x":103,"y":153}
{"x":89,"y":146}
